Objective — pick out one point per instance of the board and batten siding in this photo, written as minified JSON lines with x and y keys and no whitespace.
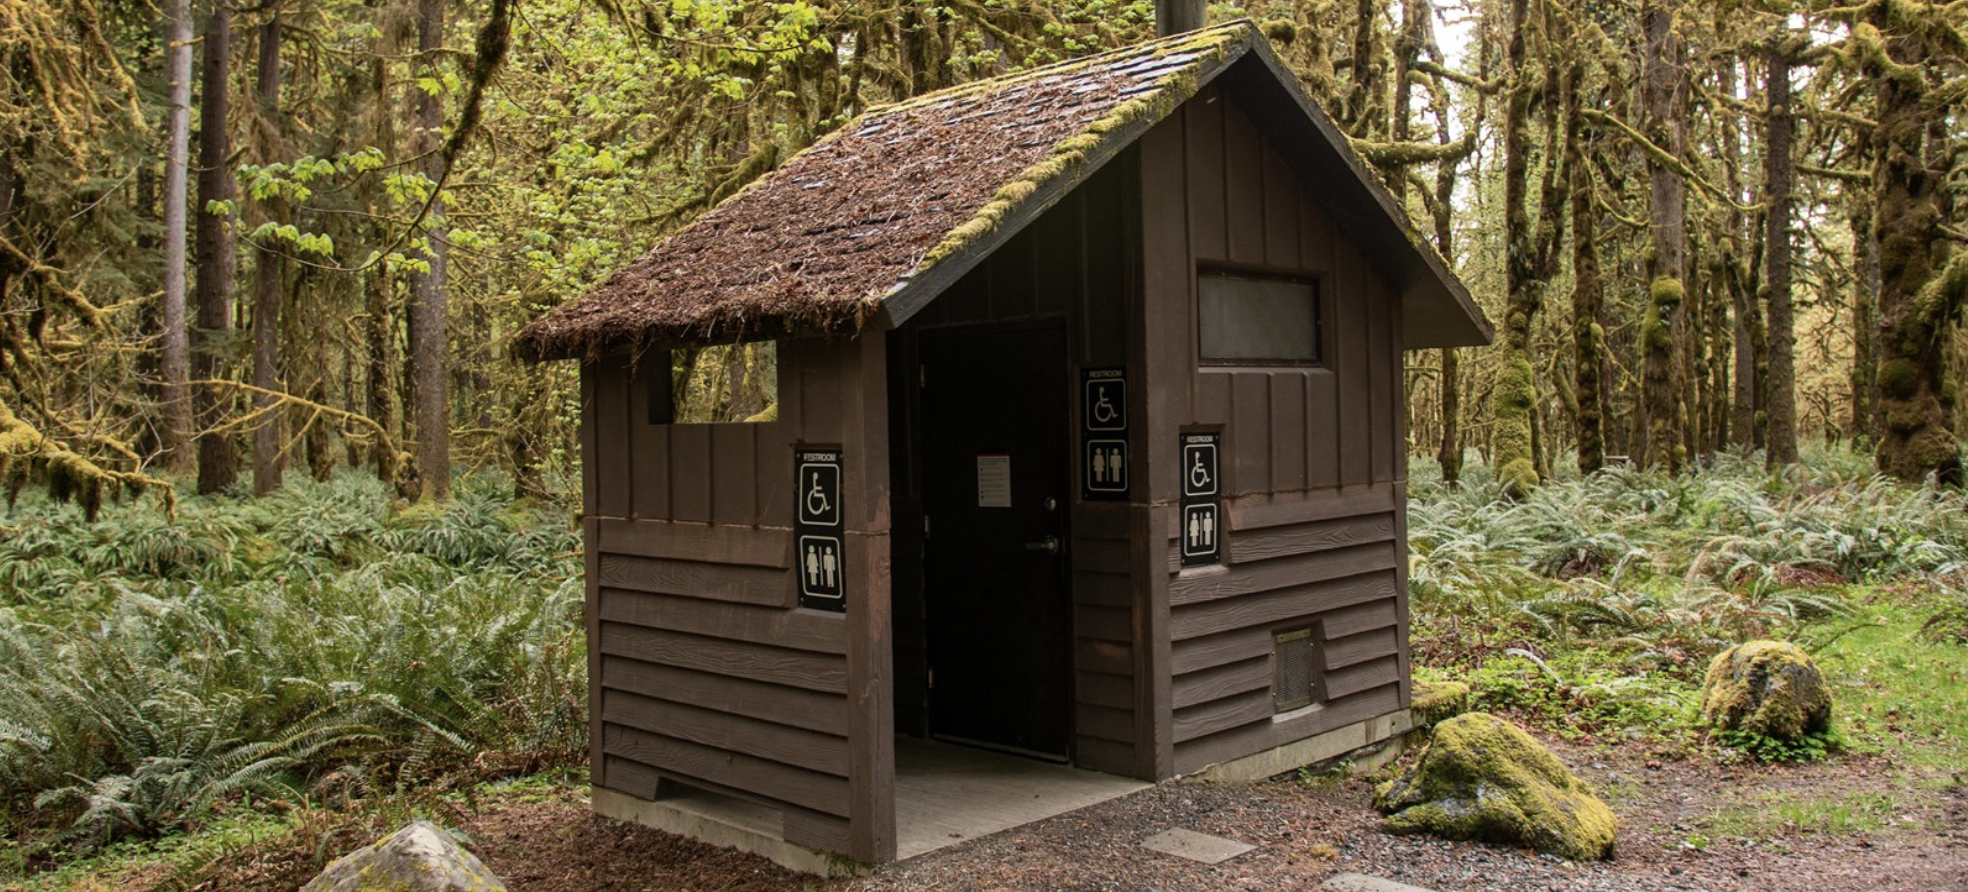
{"x":1313,"y":467}
{"x":1075,"y":266}
{"x":705,"y":671}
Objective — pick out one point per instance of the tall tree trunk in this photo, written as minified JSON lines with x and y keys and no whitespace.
{"x":266,"y":296}
{"x":428,"y":348}
{"x":1865,"y":326}
{"x":1779,"y":171}
{"x":1588,"y":298}
{"x":1920,"y":291}
{"x":1512,"y":433}
{"x":1662,"y":86}
{"x":175,"y":426}
{"x":217,"y":463}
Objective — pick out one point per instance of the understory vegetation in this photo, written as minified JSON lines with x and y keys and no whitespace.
{"x":329,"y":662}
{"x":1593,"y":606}
{"x":322,"y":645}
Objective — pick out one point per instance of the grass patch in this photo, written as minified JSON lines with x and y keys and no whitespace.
{"x":1771,"y":816}
{"x":1897,"y":692}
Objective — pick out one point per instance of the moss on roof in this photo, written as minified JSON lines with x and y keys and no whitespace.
{"x":815,"y":246}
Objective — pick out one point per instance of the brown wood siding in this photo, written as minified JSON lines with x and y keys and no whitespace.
{"x":705,"y":672}
{"x":1313,"y":465}
{"x":1074,"y":265}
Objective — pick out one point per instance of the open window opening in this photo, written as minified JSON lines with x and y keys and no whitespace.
{"x":721,"y":384}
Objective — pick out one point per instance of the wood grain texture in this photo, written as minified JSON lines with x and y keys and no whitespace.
{"x":738,"y":583}
{"x":1275,"y":607}
{"x":1222,"y":714}
{"x":614,"y":491}
{"x":754,"y":547}
{"x":798,"y":707}
{"x":1101,"y":689}
{"x":1243,"y":161}
{"x":1352,"y":650}
{"x":1353,"y":367}
{"x":1265,"y":543}
{"x":1263,"y":734}
{"x":1385,"y":391}
{"x":807,"y":630}
{"x":591,"y":620}
{"x":1223,"y":681}
{"x":1281,"y":200}
{"x":1277,"y":573}
{"x":1288,"y":402}
{"x":1202,"y":118}
{"x":734,"y":474}
{"x":1250,"y":433}
{"x":649,"y":444}
{"x":762,"y":778}
{"x":690,"y":472}
{"x":814,"y":672}
{"x":590,"y":458}
{"x":784,"y":744}
{"x":1344,"y":682}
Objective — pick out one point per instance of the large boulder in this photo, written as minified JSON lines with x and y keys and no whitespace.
{"x":1483,"y":778}
{"x":1768,"y":689}
{"x":418,"y":858}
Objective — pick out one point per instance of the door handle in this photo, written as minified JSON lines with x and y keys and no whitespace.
{"x":1049,"y":545}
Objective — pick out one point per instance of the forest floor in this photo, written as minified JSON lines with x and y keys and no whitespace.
{"x":1862,"y":823}
{"x":1586,"y":614}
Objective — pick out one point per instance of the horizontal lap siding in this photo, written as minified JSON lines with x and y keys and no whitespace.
{"x":1313,"y":463}
{"x":704,"y":671}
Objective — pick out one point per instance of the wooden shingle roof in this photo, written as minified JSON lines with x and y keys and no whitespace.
{"x":870,"y":223}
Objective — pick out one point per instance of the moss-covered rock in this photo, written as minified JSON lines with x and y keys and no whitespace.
{"x":1438,"y":701}
{"x":1483,"y":778}
{"x":418,"y":858}
{"x":1766,"y":688}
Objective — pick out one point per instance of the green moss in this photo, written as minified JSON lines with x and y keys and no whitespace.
{"x":1766,"y":688}
{"x":1209,"y":45}
{"x":1516,"y":398}
{"x":1438,"y":701}
{"x":1899,"y":378}
{"x":1483,"y":778}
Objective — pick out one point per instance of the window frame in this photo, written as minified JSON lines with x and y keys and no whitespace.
{"x":1321,"y":323}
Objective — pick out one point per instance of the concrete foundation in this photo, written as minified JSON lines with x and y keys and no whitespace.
{"x":1369,"y":745}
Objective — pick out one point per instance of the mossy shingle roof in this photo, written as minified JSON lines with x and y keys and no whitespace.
{"x":888,"y":209}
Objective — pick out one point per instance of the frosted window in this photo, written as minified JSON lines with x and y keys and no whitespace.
{"x":1258,"y":320}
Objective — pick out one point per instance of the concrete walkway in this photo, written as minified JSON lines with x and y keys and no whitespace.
{"x":946,"y":794}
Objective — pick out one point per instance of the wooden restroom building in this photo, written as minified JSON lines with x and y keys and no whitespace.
{"x":1085,"y":443}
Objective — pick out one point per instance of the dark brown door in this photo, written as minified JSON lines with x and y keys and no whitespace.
{"x":995,"y":481}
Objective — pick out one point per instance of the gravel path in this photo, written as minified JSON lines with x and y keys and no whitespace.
{"x":1306,"y":832}
{"x":1670,"y":839}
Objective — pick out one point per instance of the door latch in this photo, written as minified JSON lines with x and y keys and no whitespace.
{"x":1049,"y":545}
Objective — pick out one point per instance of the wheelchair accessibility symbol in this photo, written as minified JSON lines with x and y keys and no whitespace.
{"x":1106,"y":402}
{"x":820,"y":494}
{"x":1199,"y":469}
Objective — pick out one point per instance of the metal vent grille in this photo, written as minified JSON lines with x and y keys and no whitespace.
{"x":1295,"y":680}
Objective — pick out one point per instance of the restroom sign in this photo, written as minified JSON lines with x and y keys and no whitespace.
{"x":1104,"y":465}
{"x":819,"y":535}
{"x":1202,"y":501}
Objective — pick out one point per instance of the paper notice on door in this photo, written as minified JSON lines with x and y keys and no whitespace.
{"x":994,"y":481}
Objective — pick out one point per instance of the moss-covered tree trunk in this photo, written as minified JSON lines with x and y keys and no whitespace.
{"x":1515,"y":397}
{"x":1779,"y":172}
{"x":1588,"y":300}
{"x":1864,"y":426}
{"x":1663,"y":88}
{"x":1920,"y":292}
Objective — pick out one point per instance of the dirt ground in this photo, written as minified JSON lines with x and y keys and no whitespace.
{"x":1671,"y":838}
